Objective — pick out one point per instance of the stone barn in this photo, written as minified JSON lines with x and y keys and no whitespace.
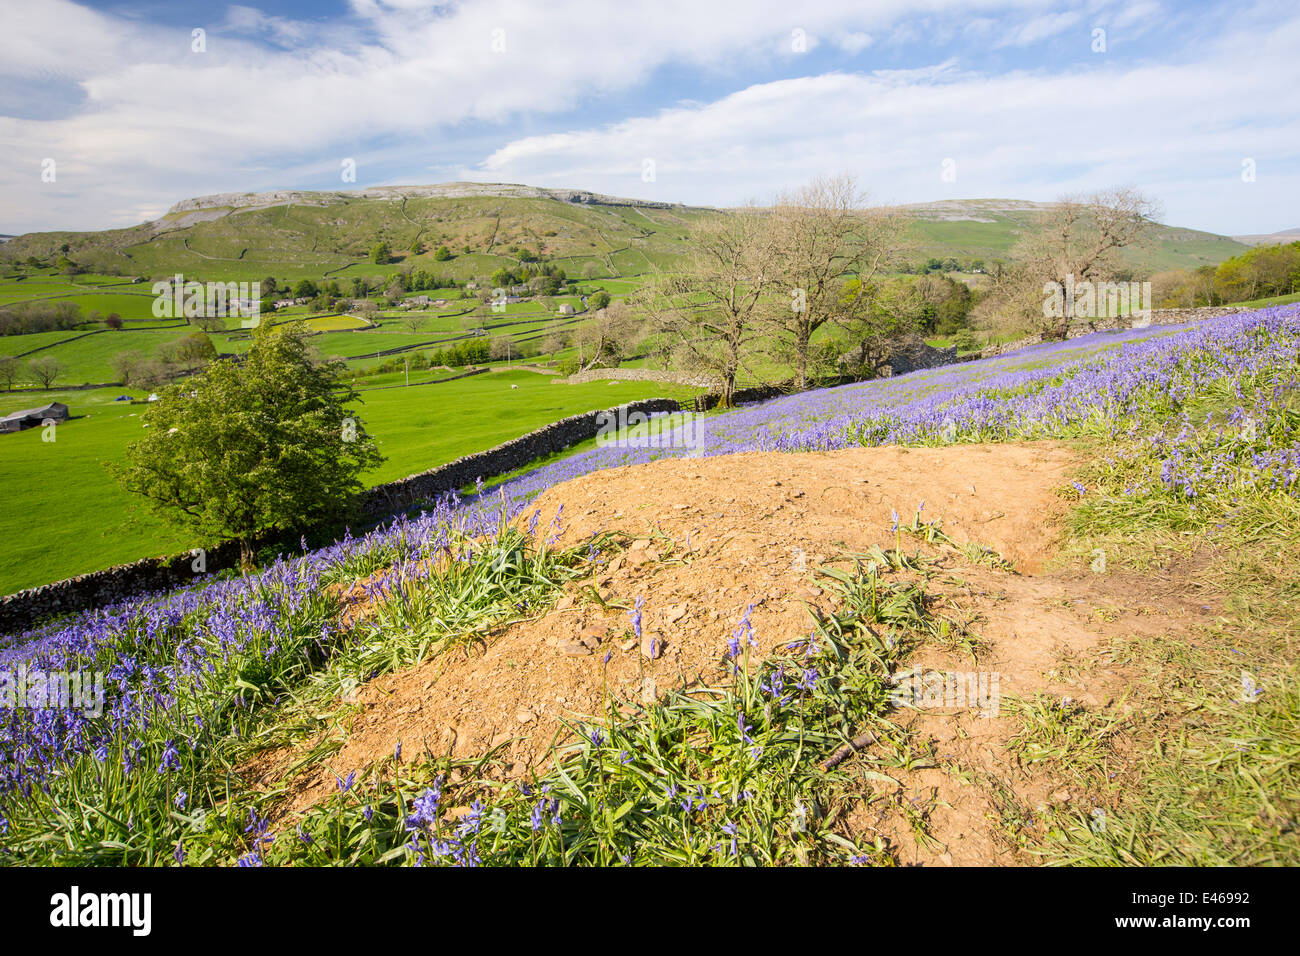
{"x":34,"y":417}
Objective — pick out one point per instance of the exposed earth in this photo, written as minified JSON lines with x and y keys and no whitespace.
{"x":706,"y":537}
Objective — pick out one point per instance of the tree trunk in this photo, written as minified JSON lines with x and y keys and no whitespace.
{"x":246,"y":564}
{"x":801,"y":358}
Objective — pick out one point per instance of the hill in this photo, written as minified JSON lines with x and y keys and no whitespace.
{"x":827,"y":629}
{"x":297,"y":234}
{"x":990,"y":228}
{"x":1271,"y":239}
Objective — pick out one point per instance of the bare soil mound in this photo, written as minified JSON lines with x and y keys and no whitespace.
{"x":709,"y":537}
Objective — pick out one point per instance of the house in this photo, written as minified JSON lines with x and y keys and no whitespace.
{"x":566,"y":309}
{"x":34,"y":417}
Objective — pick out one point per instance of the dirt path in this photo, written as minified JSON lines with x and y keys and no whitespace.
{"x":709,"y":537}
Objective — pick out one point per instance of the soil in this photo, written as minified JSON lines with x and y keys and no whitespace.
{"x":707,"y":537}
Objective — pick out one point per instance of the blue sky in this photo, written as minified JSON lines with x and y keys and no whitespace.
{"x":713,"y":102}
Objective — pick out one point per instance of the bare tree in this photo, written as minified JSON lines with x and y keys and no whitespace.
{"x":712,"y":308}
{"x":502,"y":347}
{"x":603,"y":339}
{"x":1077,"y":241}
{"x":45,"y":370}
{"x":8,"y":371}
{"x":826,"y":233}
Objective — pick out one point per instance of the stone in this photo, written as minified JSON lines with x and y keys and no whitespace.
{"x":674,"y":613}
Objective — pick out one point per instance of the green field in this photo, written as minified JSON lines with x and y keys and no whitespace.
{"x":985,"y":229}
{"x":65,"y":515}
{"x":1275,"y":300}
{"x":68,"y":517}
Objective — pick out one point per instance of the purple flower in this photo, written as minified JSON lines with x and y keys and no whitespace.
{"x":171,"y":758}
{"x":635,"y":615}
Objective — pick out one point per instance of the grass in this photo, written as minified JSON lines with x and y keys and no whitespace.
{"x":1197,"y":765}
{"x":1273,"y":300}
{"x":419,"y":428}
{"x":745,"y":769}
{"x":65,"y":515}
{"x":1214,"y":764}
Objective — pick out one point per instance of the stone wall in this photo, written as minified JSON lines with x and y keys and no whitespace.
{"x":1158,"y":317}
{"x":915,"y":353}
{"x":407,"y":492}
{"x":641,"y":375}
{"x":101,"y":588}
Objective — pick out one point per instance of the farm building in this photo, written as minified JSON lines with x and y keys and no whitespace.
{"x":34,"y":417}
{"x":566,"y":309}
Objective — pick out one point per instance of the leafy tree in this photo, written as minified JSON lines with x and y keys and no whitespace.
{"x":876,"y":315}
{"x":598,"y":300}
{"x":194,"y":351}
{"x":442,"y":254}
{"x":305,"y":289}
{"x":113,"y":320}
{"x":241,"y":451}
{"x":24,"y":317}
{"x":381,"y":252}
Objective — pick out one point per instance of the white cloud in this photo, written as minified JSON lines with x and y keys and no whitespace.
{"x":405,"y":84}
{"x":853,"y":42}
{"x":1180,"y":130}
{"x":1040,"y":28}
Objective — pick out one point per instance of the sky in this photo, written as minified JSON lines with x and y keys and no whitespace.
{"x":111,"y":112}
